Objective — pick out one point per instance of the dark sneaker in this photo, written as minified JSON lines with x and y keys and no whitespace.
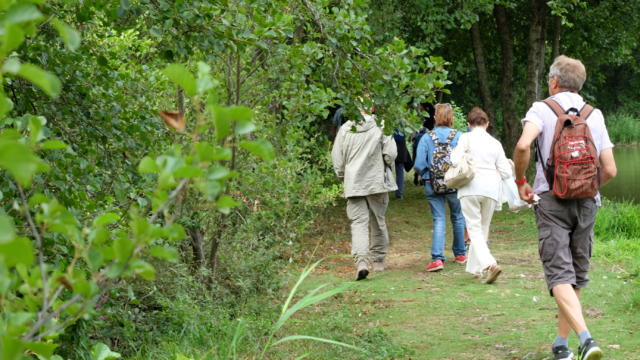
{"x":362,"y":271}
{"x":562,"y":353}
{"x":435,"y":266}
{"x":589,"y":351}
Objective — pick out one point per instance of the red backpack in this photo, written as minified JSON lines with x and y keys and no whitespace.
{"x":573,"y":168}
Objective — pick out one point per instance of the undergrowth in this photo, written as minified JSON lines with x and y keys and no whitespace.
{"x":617,"y":234}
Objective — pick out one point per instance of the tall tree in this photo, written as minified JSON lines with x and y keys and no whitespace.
{"x":507,"y":100}
{"x":535,"y":55}
{"x":481,"y":68}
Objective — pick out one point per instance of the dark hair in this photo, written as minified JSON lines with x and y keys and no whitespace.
{"x":477,"y":117}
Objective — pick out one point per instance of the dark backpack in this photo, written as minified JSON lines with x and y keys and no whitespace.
{"x":440,"y":162}
{"x":573,"y":168}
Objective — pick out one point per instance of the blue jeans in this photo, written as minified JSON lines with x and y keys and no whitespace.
{"x":438,"y":212}
{"x":400,"y":180}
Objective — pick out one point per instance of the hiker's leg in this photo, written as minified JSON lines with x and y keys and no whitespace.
{"x":377,"y":224}
{"x":564,"y":328}
{"x":479,"y":255}
{"x":488,"y":207}
{"x":570,"y":307}
{"x":458,"y":224}
{"x":400,"y":180}
{"x":358,"y":213}
{"x":436,"y":203}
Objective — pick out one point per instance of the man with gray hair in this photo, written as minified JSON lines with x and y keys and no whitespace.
{"x":565,"y":224}
{"x":362,"y":157}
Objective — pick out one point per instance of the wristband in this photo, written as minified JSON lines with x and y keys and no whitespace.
{"x":521,"y":182}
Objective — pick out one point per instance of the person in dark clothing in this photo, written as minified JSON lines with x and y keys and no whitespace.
{"x":403,"y":161}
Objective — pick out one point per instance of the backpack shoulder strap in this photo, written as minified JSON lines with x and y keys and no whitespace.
{"x":586,"y":111}
{"x":554,"y":106}
{"x":434,"y":137}
{"x":452,"y":134}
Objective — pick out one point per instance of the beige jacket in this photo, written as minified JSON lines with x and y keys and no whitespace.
{"x":358,"y":153}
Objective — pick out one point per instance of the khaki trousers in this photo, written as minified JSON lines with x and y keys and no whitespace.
{"x":478,"y":211}
{"x":368,"y":222}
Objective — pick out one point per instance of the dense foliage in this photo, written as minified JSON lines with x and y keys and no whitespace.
{"x":98,"y":190}
{"x":159,"y":159}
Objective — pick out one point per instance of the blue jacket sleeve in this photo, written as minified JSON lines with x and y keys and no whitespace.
{"x":454,"y":142}
{"x":421,"y":163}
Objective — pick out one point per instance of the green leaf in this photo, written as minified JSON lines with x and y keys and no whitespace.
{"x":101,"y":351}
{"x":261,"y":148}
{"x":6,"y":105}
{"x":21,"y":13}
{"x":13,"y":37}
{"x":20,"y":161}
{"x":148,"y":166}
{"x":218,"y":172}
{"x":41,"y":348}
{"x":69,"y":35}
{"x":45,"y":80}
{"x":222,"y":121}
{"x":179,"y":75}
{"x":143,"y":269}
{"x":18,"y":251}
{"x":123,"y":247}
{"x":53,"y":145}
{"x":242,"y":116}
{"x":167,"y":253}
{"x":7,"y":229}
{"x":188,"y":171}
{"x":106,"y":218}
{"x":36,"y":128}
{"x":225,"y":203}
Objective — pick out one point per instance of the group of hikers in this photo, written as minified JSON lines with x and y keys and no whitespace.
{"x":574,"y":157}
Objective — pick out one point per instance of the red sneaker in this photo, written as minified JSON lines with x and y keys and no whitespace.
{"x":461,"y":259}
{"x":435,"y":266}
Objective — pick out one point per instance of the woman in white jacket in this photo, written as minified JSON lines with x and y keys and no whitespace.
{"x":480,"y":197}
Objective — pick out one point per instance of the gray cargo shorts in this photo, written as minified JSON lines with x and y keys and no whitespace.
{"x":565,"y":234}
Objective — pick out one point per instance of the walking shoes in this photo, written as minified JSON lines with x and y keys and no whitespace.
{"x":589,"y":351}
{"x":362,"y":270}
{"x":562,"y":353}
{"x":492,"y":274}
{"x":378,"y":266}
{"x":461,"y":259}
{"x":435,"y":266}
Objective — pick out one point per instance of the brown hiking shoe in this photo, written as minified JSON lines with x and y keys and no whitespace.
{"x":493,"y":273}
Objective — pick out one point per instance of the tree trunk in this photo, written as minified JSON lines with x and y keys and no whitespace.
{"x":507,"y":98}
{"x":481,"y":68}
{"x":535,"y":57}
{"x":195,"y":236}
{"x":557,"y":32}
{"x":213,"y":259}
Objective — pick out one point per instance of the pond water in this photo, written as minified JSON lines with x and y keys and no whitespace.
{"x":626,"y":185}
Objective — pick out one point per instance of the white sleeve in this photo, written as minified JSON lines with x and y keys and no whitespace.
{"x":535,"y":114}
{"x":605,"y":142}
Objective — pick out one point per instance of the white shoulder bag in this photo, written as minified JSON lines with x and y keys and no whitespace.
{"x":461,"y":173}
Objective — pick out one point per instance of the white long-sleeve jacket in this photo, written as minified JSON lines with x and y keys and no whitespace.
{"x":491,"y":164}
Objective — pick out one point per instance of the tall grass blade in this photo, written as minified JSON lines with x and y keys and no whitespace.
{"x":313,"y":338}
{"x":310,"y":299}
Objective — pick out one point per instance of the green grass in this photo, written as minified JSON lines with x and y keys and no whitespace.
{"x":411,"y":314}
{"x":623,"y":128}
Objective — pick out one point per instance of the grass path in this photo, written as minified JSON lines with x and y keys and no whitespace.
{"x":407,"y":313}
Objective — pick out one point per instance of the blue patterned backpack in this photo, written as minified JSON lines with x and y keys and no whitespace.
{"x":440,"y":162}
